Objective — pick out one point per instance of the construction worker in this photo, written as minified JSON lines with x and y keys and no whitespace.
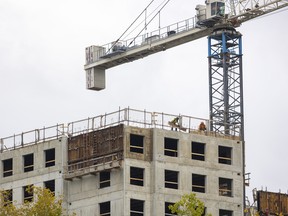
{"x":202,"y":127}
{"x":175,"y":122}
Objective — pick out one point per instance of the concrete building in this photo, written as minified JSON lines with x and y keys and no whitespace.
{"x":127,"y":162}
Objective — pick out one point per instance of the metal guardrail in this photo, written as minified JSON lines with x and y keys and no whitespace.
{"x":117,"y":47}
{"x":126,"y":116}
{"x":87,"y":166}
{"x":31,"y":137}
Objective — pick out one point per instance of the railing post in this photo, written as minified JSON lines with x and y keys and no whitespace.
{"x":88,"y":125}
{"x":2,"y":145}
{"x":22,"y":140}
{"x":14,"y":144}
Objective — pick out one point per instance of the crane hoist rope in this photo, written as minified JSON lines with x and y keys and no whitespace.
{"x":146,"y":17}
{"x":164,"y":3}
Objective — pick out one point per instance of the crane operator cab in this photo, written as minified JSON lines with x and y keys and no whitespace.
{"x":210,"y":13}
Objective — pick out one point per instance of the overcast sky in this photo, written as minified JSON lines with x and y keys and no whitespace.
{"x":42,"y":54}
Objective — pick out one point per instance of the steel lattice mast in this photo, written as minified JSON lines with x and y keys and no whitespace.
{"x":226,"y":82}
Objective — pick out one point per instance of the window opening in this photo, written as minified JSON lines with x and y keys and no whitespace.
{"x":7,"y":167}
{"x":50,"y":157}
{"x":105,"y":209}
{"x":170,"y":147}
{"x":198,"y":151}
{"x":136,"y":207}
{"x":223,"y":212}
{"x":167,"y":210}
{"x":198,"y":183}
{"x":28,"y":193}
{"x":136,"y":143}
{"x":225,"y":187}
{"x":225,"y":155}
{"x":28,"y":163}
{"x":137,"y":176}
{"x":105,"y":179}
{"x":50,"y":185}
{"x":7,"y":197}
{"x":171,"y":179}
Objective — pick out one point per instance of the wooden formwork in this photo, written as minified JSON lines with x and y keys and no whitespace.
{"x":272,"y":203}
{"x":95,"y":144}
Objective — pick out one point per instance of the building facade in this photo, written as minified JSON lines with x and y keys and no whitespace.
{"x":127,"y":166}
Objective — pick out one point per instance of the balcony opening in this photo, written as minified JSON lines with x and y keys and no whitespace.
{"x":136,"y":207}
{"x":136,"y":143}
{"x":28,"y":162}
{"x":171,"y":179}
{"x":137,"y":176}
{"x":50,"y":185}
{"x":105,"y":179}
{"x":170,"y":147}
{"x":167,"y":210}
{"x":225,"y":155}
{"x":198,"y":151}
{"x":198,"y":183}
{"x":50,"y":157}
{"x":105,"y":209}
{"x":225,"y":187}
{"x":28,"y":193}
{"x":7,"y":167}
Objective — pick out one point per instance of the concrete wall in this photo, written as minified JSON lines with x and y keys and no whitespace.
{"x":40,"y":174}
{"x":82,"y":195}
{"x":85,"y":194}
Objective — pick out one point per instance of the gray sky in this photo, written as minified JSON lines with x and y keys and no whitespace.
{"x":42,"y":53}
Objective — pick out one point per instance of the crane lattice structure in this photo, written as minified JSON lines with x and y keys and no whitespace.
{"x":225,"y":54}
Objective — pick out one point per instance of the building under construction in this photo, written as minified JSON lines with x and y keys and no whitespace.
{"x":128,"y":162}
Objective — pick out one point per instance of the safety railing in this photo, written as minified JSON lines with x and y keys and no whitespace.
{"x":31,"y":137}
{"x":82,"y":166}
{"x":146,"y":119}
{"x":120,"y":46}
{"x":126,"y":116}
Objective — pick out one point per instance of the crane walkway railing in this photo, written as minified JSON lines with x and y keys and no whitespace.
{"x":120,"y":46}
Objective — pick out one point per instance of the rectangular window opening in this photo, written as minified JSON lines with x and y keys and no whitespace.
{"x":167,"y":210}
{"x":198,"y":151}
{"x":171,"y":179}
{"x":7,"y":167}
{"x":28,"y":193}
{"x":105,"y":209}
{"x":136,"y":207}
{"x":50,"y":157}
{"x":8,"y":197}
{"x":137,"y":176}
{"x":198,"y":183}
{"x":28,"y":162}
{"x":223,"y":212}
{"x":105,"y":179}
{"x":225,"y":155}
{"x":136,"y":143}
{"x":50,"y":185}
{"x":170,"y":147}
{"x":225,"y":187}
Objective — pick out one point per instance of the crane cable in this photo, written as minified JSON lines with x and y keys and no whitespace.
{"x":149,"y":22}
{"x":145,"y":19}
{"x":130,"y":26}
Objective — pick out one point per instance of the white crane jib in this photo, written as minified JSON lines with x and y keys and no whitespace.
{"x":213,"y":13}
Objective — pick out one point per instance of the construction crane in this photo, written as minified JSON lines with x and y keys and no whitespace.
{"x":217,"y":19}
